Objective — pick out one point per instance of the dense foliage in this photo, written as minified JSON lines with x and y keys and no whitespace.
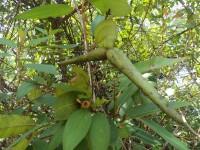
{"x":135,"y":63}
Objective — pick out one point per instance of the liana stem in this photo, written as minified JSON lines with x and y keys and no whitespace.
{"x":95,"y":55}
{"x":118,"y":59}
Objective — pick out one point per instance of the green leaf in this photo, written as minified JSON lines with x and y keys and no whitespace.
{"x":39,"y":145}
{"x":14,"y":124}
{"x":113,"y":133}
{"x":105,"y":33}
{"x":41,"y":30}
{"x":96,"y":21}
{"x":128,"y":92}
{"x":24,"y":89}
{"x":34,"y":94}
{"x":3,"y":96}
{"x":145,"y":137}
{"x":52,"y":32}
{"x":99,"y":133}
{"x":76,"y":128}
{"x":52,"y":10}
{"x":69,"y":46}
{"x":156,"y":63}
{"x":47,"y":99}
{"x":5,"y":55}
{"x":56,"y":139}
{"x":165,"y":134}
{"x":40,"y":80}
{"x":43,"y":68}
{"x":118,"y":7}
{"x":24,"y":143}
{"x":151,"y":108}
{"x":40,"y":40}
{"x":26,"y":134}
{"x":8,"y":42}
{"x":65,"y":105}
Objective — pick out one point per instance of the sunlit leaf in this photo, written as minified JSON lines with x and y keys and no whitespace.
{"x":117,"y":7}
{"x":52,"y":32}
{"x":41,"y":30}
{"x":76,"y":128}
{"x":99,"y":133}
{"x":14,"y":124}
{"x":69,"y":46}
{"x":165,"y":135}
{"x":34,"y":94}
{"x":40,"y":40}
{"x":95,"y":22}
{"x":24,"y":89}
{"x":43,"y":68}
{"x":105,"y":33}
{"x":24,"y":143}
{"x":5,"y":55}
{"x":22,"y":36}
{"x":52,"y":10}
{"x":8,"y":42}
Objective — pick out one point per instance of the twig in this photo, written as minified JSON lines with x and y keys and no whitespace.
{"x":82,"y":20}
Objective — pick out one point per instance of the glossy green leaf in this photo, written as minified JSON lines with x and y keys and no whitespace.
{"x":165,"y":135}
{"x":40,"y":40}
{"x":43,"y":68}
{"x":8,"y":42}
{"x":24,"y":89}
{"x":117,"y":7}
{"x":14,"y":124}
{"x":45,"y":11}
{"x":151,"y":108}
{"x":156,"y":63}
{"x":76,"y":128}
{"x":105,"y":33}
{"x":99,"y":133}
{"x":65,"y":105}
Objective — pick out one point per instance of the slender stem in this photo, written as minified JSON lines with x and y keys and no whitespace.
{"x":82,"y":20}
{"x":122,"y":63}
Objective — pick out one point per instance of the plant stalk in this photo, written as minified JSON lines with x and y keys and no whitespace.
{"x":118,"y":59}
